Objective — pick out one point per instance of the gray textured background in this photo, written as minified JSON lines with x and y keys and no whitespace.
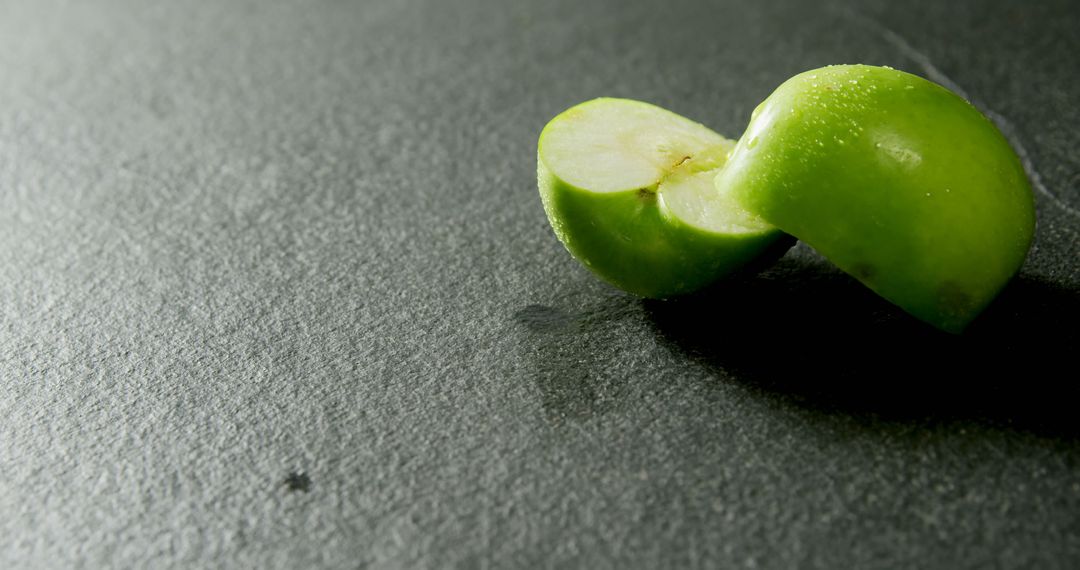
{"x":276,"y":290}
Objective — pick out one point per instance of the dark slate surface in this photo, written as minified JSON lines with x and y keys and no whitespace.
{"x":276,"y":290}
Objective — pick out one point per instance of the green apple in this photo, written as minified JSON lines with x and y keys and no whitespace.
{"x":898,"y":181}
{"x":628,"y":188}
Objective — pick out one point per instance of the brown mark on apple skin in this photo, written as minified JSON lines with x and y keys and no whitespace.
{"x":646,"y":194}
{"x":953,"y":299}
{"x":863,"y":271}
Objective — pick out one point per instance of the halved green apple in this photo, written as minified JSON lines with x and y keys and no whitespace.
{"x":628,"y":188}
{"x":898,"y":181}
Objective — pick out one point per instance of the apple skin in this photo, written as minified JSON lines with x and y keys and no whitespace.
{"x":898,"y":181}
{"x":626,"y":239}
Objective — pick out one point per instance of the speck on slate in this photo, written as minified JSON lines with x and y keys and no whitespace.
{"x":297,"y":481}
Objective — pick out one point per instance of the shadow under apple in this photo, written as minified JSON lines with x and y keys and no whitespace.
{"x":808,"y":333}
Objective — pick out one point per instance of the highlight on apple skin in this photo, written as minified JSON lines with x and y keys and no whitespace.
{"x":898,"y":181}
{"x":628,"y":189}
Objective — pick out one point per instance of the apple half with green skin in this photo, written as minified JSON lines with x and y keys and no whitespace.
{"x":628,"y":189}
{"x":898,"y":181}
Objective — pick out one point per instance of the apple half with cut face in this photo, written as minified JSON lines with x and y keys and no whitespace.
{"x":628,"y":189}
{"x":897,"y":180}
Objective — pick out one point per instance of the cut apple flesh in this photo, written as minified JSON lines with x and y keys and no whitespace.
{"x":616,"y":145}
{"x":610,"y":145}
{"x":629,"y":190}
{"x":691,"y":196}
